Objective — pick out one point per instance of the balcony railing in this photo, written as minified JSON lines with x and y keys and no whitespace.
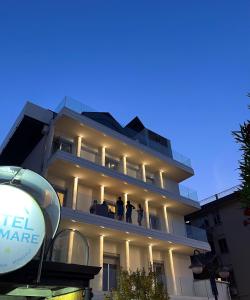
{"x":196,"y":233}
{"x":200,"y":288}
{"x":140,"y":137}
{"x":188,"y":193}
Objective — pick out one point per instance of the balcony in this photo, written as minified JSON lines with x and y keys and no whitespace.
{"x":200,"y":289}
{"x":196,"y":233}
{"x":141,"y":137}
{"x":119,"y":230}
{"x":114,"y":163}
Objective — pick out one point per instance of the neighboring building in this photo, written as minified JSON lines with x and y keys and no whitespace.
{"x":223,"y":218}
{"x":89,"y":156}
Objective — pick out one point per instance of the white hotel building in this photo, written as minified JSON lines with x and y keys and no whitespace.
{"x":89,"y":156}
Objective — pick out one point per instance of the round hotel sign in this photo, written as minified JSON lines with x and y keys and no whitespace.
{"x":22,"y":228}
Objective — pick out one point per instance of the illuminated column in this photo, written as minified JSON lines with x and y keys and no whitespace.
{"x":78,"y":146}
{"x":161,"y":179}
{"x":165,"y":213}
{"x":99,"y":277}
{"x":74,"y":192}
{"x":172,"y":270}
{"x":125,"y":200}
{"x":150,"y":256}
{"x":124,"y":164}
{"x":143,"y":172}
{"x":127,"y":258}
{"x":146,"y":211}
{"x":70,"y":246}
{"x":101,"y":196}
{"x":103,"y":155}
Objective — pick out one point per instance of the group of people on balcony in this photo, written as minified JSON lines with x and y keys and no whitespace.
{"x":103,"y":210}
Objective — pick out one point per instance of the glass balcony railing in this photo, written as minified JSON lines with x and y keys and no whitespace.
{"x":196,"y":233}
{"x":141,"y":137}
{"x":188,"y":193}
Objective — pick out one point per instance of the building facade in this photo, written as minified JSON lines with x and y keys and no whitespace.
{"x":228,"y":233}
{"x":90,"y":159}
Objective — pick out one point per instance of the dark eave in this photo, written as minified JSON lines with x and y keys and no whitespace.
{"x":26,"y":136}
{"x":54,"y":274}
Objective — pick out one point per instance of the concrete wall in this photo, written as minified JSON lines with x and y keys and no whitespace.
{"x":34,"y":161}
{"x":176,"y":224}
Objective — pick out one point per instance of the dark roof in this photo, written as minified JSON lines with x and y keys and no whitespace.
{"x":136,"y":125}
{"x":104,"y":118}
{"x":221,"y":202}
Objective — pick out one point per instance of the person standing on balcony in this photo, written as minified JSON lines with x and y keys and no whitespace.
{"x":120,"y":208}
{"x":93,"y":207}
{"x":140,"y":214}
{"x":129,"y":208}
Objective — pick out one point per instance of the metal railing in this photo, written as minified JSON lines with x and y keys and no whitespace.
{"x":196,"y":233}
{"x":200,"y":288}
{"x":188,"y":193}
{"x":219,"y":195}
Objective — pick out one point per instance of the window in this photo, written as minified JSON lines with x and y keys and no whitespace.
{"x":133,"y":170}
{"x":159,"y":269}
{"x":154,"y":222}
{"x":62,"y":195}
{"x":150,"y":178}
{"x":110,"y":272}
{"x":223,"y":245}
{"x":206,"y":223}
{"x":112,"y":163}
{"x":217,"y":218}
{"x":62,"y":144}
{"x":90,"y":153}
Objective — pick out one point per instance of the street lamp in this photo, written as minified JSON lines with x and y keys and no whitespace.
{"x":197,"y":267}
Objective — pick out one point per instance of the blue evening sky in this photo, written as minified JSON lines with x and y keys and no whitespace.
{"x":182,"y":66}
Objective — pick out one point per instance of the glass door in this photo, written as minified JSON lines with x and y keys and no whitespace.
{"x":160,"y":272}
{"x":110,"y":272}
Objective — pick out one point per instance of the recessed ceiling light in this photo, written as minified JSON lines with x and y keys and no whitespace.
{"x":125,"y":182}
{"x":170,"y":242}
{"x":104,"y":175}
{"x":150,"y":237}
{"x":127,"y":232}
{"x":102,"y":227}
{"x":77,"y":166}
{"x":73,"y":221}
{"x":81,"y":124}
{"x":164,"y":197}
{"x":145,"y":190}
{"x":104,"y":134}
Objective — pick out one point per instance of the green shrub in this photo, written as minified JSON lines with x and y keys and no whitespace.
{"x":139,"y":285}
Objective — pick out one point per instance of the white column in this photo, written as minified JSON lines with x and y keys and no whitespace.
{"x":74,"y":192}
{"x":78,"y":146}
{"x":150,"y":256}
{"x":125,"y":200}
{"x":143,"y":172}
{"x":165,"y":214}
{"x":146,"y":213}
{"x":103,"y":155}
{"x":172,"y":270}
{"x":124,"y":164}
{"x":161,"y":179}
{"x":102,"y":191}
{"x":70,"y":246}
{"x":127,"y":258}
{"x":99,"y":277}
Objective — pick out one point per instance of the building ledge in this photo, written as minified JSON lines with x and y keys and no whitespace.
{"x":145,"y":233}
